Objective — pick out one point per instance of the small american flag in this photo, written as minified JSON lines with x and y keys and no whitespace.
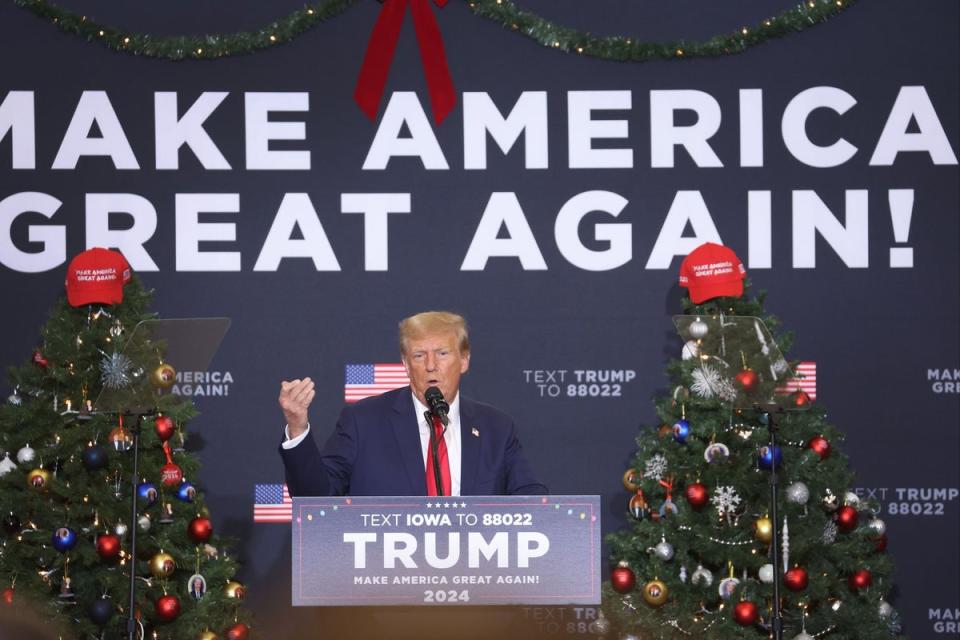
{"x":272,"y":503}
{"x":806,"y":379}
{"x":365,"y":380}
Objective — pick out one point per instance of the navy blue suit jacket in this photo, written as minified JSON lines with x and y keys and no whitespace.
{"x":376,"y":451}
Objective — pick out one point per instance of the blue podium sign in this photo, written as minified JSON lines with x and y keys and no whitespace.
{"x":464,"y":550}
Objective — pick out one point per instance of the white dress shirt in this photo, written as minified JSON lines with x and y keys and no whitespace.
{"x":451,"y":436}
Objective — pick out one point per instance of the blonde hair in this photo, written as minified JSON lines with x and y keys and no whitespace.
{"x":431,"y":323}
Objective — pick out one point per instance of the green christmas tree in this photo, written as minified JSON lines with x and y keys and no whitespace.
{"x":697,"y":560}
{"x":66,"y":484}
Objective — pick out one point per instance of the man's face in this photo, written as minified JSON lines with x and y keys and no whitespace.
{"x":435,"y":361}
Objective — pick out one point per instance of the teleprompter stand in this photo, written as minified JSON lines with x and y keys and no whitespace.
{"x":187,"y":344}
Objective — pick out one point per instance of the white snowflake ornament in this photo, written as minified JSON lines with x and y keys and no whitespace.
{"x":708,"y":383}
{"x":727,"y":500}
{"x":116,"y":370}
{"x":656,"y":467}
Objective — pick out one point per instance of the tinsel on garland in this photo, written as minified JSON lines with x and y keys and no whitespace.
{"x":545,"y":32}
{"x":203,"y":47}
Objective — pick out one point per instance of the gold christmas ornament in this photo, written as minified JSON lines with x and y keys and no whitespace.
{"x":163,"y":376}
{"x":235,"y":590}
{"x":162,"y":565}
{"x":207,"y":635}
{"x":39,"y":479}
{"x":631,"y":480}
{"x":763,"y":529}
{"x":655,"y":593}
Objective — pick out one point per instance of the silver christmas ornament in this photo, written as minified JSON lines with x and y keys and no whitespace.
{"x":600,"y":626}
{"x":144,"y":523}
{"x":829,"y":532}
{"x":698,"y":328}
{"x":766,"y":574}
{"x":6,"y":465}
{"x":663,"y":550}
{"x":14,"y":398}
{"x":878,"y":526}
{"x":690,"y":350}
{"x":120,"y":529}
{"x":26,"y":455}
{"x":798,"y":493}
{"x":851,"y":499}
{"x":702,"y":576}
{"x":884,"y":610}
{"x":803,"y":635}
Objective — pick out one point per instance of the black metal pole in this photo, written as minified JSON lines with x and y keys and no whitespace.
{"x":777,"y":618}
{"x":131,"y":613}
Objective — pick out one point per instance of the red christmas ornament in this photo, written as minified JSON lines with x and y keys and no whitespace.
{"x":39,"y":360}
{"x":846,"y":518}
{"x":745,"y":613}
{"x":880,"y":543}
{"x":238,"y":631}
{"x":170,"y":474}
{"x":108,"y":546}
{"x":7,"y":595}
{"x":860,"y":580}
{"x":165,"y":427}
{"x":747,"y":379}
{"x":200,"y":530}
{"x":622,"y":579}
{"x":796,"y":579}
{"x":820,"y":445}
{"x":799,"y":398}
{"x":697,"y":495}
{"x":167,"y":608}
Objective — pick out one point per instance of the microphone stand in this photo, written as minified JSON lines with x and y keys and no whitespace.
{"x":769,"y":413}
{"x":139,"y":414}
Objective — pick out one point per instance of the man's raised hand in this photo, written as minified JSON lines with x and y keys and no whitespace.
{"x":295,"y":398}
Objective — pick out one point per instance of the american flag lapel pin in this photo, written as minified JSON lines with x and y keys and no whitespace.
{"x":475,"y":432}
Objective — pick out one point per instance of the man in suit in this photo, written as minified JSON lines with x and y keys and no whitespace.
{"x":380,"y":445}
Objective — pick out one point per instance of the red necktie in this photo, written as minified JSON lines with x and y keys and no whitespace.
{"x":442,"y":457}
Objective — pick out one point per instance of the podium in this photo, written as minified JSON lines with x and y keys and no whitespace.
{"x":446,"y":551}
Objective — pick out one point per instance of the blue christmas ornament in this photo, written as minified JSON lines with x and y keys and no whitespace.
{"x":148,"y":492}
{"x":681,"y":429}
{"x":768,"y":458}
{"x":64,"y":539}
{"x":187,"y":492}
{"x":94,"y":457}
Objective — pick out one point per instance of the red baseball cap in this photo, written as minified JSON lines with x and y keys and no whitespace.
{"x":97,"y":276}
{"x":711,"y":271}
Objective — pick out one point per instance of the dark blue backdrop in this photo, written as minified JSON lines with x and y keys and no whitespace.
{"x":885,"y":339}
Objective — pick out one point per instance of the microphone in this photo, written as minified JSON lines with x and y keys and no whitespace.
{"x":438,"y":409}
{"x":437,"y":405}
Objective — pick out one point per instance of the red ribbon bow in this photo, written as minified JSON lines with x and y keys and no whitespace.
{"x":668,"y":485}
{"x":383,"y":44}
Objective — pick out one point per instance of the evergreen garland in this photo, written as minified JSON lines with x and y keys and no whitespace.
{"x":545,"y":32}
